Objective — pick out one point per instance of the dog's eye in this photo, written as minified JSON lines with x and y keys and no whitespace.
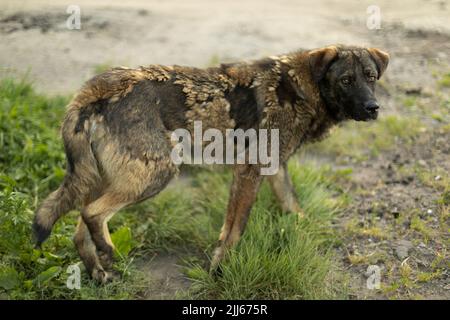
{"x":345,"y":81}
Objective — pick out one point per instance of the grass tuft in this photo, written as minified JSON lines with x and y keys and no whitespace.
{"x":280,"y":256}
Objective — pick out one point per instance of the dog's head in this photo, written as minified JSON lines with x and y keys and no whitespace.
{"x":346,"y":77}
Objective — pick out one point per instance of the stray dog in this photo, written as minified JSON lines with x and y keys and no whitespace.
{"x":117,"y":130}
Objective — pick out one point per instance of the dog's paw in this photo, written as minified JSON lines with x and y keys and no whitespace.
{"x":102,"y":277}
{"x":215,"y":268}
{"x":216,"y":271}
{"x":106,"y":259}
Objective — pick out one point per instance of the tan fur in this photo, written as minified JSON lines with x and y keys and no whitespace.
{"x":242,"y":195}
{"x":283,"y":189}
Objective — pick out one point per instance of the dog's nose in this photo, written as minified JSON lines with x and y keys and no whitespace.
{"x":371,"y":106}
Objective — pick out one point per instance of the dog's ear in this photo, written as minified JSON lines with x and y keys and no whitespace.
{"x":320,"y":60}
{"x":381,"y":59}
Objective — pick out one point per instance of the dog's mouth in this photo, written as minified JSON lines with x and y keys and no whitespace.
{"x":373,"y":115}
{"x":371,"y":108}
{"x":367,"y":117}
{"x":366,"y":114}
{"x":363,"y":116}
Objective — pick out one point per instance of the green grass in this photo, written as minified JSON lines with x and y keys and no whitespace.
{"x":31,"y":165}
{"x":445,"y":81}
{"x":361,"y":140}
{"x":279,"y":256}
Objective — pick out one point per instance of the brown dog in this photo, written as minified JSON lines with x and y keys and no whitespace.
{"x":117,"y":133}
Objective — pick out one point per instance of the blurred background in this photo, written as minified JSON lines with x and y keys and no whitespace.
{"x":34,"y":36}
{"x":375,"y":194}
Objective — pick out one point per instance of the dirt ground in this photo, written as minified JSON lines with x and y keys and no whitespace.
{"x":34,"y":40}
{"x":380,"y":227}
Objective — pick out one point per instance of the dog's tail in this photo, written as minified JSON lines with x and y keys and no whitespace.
{"x":54,"y":206}
{"x":81,"y":180}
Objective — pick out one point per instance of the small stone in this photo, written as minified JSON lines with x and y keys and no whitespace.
{"x":395,"y":212}
{"x":142,"y":12}
{"x":402,"y":249}
{"x":422,"y":163}
{"x":407,"y":180}
{"x":441,"y":55}
{"x":429,"y":211}
{"x":413,"y":90}
{"x":437,"y":178}
{"x":401,"y":252}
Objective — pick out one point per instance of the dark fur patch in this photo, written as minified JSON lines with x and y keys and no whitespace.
{"x":244,"y":109}
{"x":70,"y":160}
{"x":87,"y":112}
{"x":171,"y":105}
{"x":40,"y":233}
{"x":286,"y":91}
{"x":148,"y":108}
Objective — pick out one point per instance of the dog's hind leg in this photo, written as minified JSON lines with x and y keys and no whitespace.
{"x":129,"y":180}
{"x":86,"y":248}
{"x":245,"y":186}
{"x":96,"y":216}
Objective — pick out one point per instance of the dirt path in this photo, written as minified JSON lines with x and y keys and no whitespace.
{"x":389,"y":187}
{"x":167,"y":280}
{"x":397,"y":221}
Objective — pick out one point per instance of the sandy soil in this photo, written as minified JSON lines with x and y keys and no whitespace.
{"x":35,"y":41}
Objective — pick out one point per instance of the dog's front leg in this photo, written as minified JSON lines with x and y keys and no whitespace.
{"x":284,"y":190}
{"x":245,"y":186}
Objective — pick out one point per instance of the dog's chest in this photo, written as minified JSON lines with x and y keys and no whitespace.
{"x":297,"y":124}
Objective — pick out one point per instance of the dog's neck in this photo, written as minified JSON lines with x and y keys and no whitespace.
{"x":284,"y":84}
{"x":287,"y":99}
{"x":297,"y":86}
